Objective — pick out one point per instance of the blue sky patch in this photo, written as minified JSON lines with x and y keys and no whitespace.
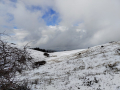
{"x":2,"y":1}
{"x":13,"y":1}
{"x":51,"y":17}
{"x":33,"y":8}
{"x":15,"y":27}
{"x":10,"y":17}
{"x":4,"y":26}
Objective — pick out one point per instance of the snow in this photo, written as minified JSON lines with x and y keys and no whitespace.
{"x":96,"y":68}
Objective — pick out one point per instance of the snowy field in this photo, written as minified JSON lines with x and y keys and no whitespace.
{"x":96,"y":68}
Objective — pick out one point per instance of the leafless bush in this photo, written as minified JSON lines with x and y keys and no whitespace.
{"x":46,"y":54}
{"x":90,"y":82}
{"x":39,"y":63}
{"x":118,"y":51}
{"x":12,"y":60}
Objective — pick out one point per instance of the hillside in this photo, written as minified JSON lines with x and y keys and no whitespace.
{"x":96,"y":68}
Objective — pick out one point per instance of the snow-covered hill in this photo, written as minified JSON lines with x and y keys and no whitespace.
{"x":96,"y":68}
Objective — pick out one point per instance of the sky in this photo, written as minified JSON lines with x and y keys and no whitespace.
{"x":60,"y":24}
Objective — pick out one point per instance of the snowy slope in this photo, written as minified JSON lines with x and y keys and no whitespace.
{"x":96,"y":68}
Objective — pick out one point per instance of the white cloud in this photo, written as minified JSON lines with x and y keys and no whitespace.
{"x":25,"y":18}
{"x":83,"y":23}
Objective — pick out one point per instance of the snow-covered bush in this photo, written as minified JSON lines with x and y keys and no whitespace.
{"x":12,"y":60}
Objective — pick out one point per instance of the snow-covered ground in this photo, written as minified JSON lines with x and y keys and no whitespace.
{"x":96,"y":68}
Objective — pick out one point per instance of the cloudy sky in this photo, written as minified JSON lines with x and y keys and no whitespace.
{"x":60,"y":24}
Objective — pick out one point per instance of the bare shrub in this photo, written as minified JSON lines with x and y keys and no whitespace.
{"x":46,"y":54}
{"x":102,"y":46}
{"x":90,"y":82}
{"x":39,"y":63}
{"x":118,"y":51}
{"x":12,"y":60}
